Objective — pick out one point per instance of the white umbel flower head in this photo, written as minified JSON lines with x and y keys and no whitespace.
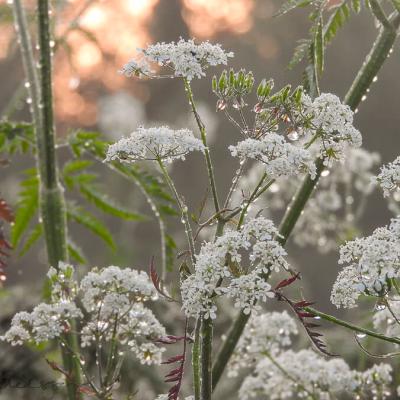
{"x":159,"y":143}
{"x":268,"y":332}
{"x":332,"y":121}
{"x":280,"y":157}
{"x":389,"y":177}
{"x":220,"y":261}
{"x":186,"y":58}
{"x":372,"y":261}
{"x":306,"y":374}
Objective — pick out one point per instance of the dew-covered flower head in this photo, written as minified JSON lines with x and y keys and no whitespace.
{"x":185,"y":58}
{"x":280,"y":157}
{"x":221,"y":261}
{"x":370,"y":263}
{"x":158,"y":143}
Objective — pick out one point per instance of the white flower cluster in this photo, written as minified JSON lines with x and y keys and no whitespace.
{"x":280,"y":157}
{"x":166,"y":397}
{"x":158,"y":143}
{"x":372,"y":261}
{"x":113,"y":300}
{"x":268,"y":332}
{"x":332,"y":214}
{"x":389,"y":177}
{"x":186,"y":58}
{"x":333,"y":122}
{"x":306,"y":374}
{"x":45,"y":322}
{"x":218,"y":269}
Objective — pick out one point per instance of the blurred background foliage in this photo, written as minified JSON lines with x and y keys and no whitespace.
{"x":92,"y":40}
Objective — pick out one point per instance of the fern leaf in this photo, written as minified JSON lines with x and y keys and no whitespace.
{"x":33,"y":236}
{"x":90,"y":222}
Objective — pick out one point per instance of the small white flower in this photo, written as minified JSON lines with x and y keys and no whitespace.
{"x":160,"y":143}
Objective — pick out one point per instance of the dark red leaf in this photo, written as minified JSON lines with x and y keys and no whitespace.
{"x":157,"y":282}
{"x":5,"y":211}
{"x":287,"y":282}
{"x":173,"y":359}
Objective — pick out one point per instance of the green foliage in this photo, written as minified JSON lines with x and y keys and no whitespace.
{"x":31,"y":238}
{"x":27,"y":206}
{"x":291,"y":5}
{"x":89,"y":221}
{"x":16,"y":137}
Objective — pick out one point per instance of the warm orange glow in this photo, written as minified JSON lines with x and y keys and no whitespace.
{"x":96,"y":38}
{"x":209,"y":17}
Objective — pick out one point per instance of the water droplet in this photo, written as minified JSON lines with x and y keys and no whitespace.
{"x":29,"y":100}
{"x":293,"y":136}
{"x":379,"y":306}
{"x":52,"y":43}
{"x":375,"y":79}
{"x":221,"y":105}
{"x":325,"y":172}
{"x":317,"y":317}
{"x":361,"y":335}
{"x":27,"y":84}
{"x":364,"y":98}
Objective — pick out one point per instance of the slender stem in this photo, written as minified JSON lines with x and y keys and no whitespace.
{"x":206,"y":360}
{"x":250,"y":200}
{"x":196,"y":360}
{"x":203,"y":135}
{"x":370,"y":68}
{"x":351,"y":326}
{"x":52,"y":207}
{"x":182,"y":207}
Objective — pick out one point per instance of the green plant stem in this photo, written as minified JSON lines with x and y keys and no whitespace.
{"x":206,"y":359}
{"x":370,"y":68}
{"x":51,"y":197}
{"x":203,"y":135}
{"x":196,"y":360}
{"x":351,"y":326}
{"x":183,"y":209}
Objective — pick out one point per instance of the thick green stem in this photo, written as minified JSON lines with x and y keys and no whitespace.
{"x":196,"y":360}
{"x":206,"y":359}
{"x":228,"y":347}
{"x":52,"y":206}
{"x":203,"y":135}
{"x":370,"y":68}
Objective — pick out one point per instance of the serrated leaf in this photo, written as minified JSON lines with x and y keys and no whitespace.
{"x":105,"y":204}
{"x":90,"y":222}
{"x":28,"y":203}
{"x":356,"y":5}
{"x":299,"y":52}
{"x":33,"y":236}
{"x":16,"y":137}
{"x":291,"y":5}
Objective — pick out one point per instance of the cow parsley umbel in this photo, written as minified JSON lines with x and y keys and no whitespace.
{"x":219,"y":269}
{"x":158,"y":143}
{"x":371,"y":264}
{"x":389,"y":177}
{"x":185,"y":58}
